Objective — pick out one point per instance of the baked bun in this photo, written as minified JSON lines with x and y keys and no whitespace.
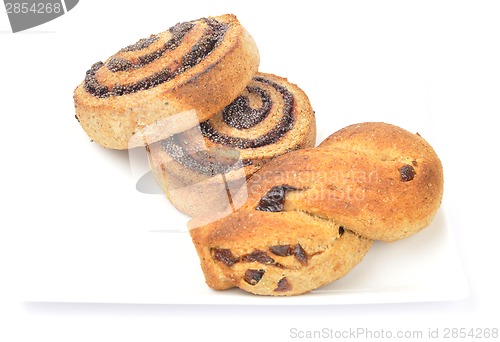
{"x":397,"y":176}
{"x":166,"y":83}
{"x":323,"y":206}
{"x":202,"y":168}
{"x":279,"y":254}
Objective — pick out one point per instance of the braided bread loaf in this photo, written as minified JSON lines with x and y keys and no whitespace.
{"x":311,"y":214}
{"x":182,"y":76}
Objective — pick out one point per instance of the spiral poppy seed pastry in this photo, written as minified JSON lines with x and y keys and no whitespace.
{"x":166,"y":83}
{"x":201,"y":168}
{"x":310,"y":215}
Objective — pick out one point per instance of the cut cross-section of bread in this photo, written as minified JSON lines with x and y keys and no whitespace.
{"x":166,"y":83}
{"x":200,"y":169}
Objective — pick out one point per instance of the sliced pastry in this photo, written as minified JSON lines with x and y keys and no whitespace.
{"x":166,"y":83}
{"x":201,"y":169}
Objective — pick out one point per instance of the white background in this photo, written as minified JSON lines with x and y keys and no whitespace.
{"x":433,"y":66}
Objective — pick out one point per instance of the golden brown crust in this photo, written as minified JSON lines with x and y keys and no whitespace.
{"x":306,"y":251}
{"x":199,"y":91}
{"x":198,"y":193}
{"x":409,"y":205}
{"x":375,"y":180}
{"x":354,"y":177}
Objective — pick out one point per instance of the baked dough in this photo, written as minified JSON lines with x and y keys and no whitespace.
{"x":201,"y":169}
{"x":323,"y":206}
{"x":166,"y":83}
{"x":279,"y":254}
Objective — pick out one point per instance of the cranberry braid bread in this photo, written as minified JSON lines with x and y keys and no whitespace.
{"x":182,"y":76}
{"x":311,"y":214}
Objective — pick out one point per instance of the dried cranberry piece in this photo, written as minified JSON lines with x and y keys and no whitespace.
{"x":300,"y":254}
{"x":407,"y":173}
{"x":259,"y":256}
{"x":224,"y":255}
{"x":281,"y":250}
{"x":252,"y":277}
{"x":283,"y":285}
{"x":274,"y":200}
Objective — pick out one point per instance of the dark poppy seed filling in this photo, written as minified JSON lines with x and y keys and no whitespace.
{"x":204,"y":162}
{"x":205,"y":45}
{"x":91,"y":83}
{"x":235,"y":115}
{"x":240,"y":115}
{"x":284,"y":125}
{"x":120,"y":64}
{"x":213,"y":35}
{"x":178,"y":32}
{"x":141,"y":44}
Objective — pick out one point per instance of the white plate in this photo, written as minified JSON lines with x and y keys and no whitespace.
{"x":100,"y":231}
{"x":156,"y":263}
{"x":87,"y":235}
